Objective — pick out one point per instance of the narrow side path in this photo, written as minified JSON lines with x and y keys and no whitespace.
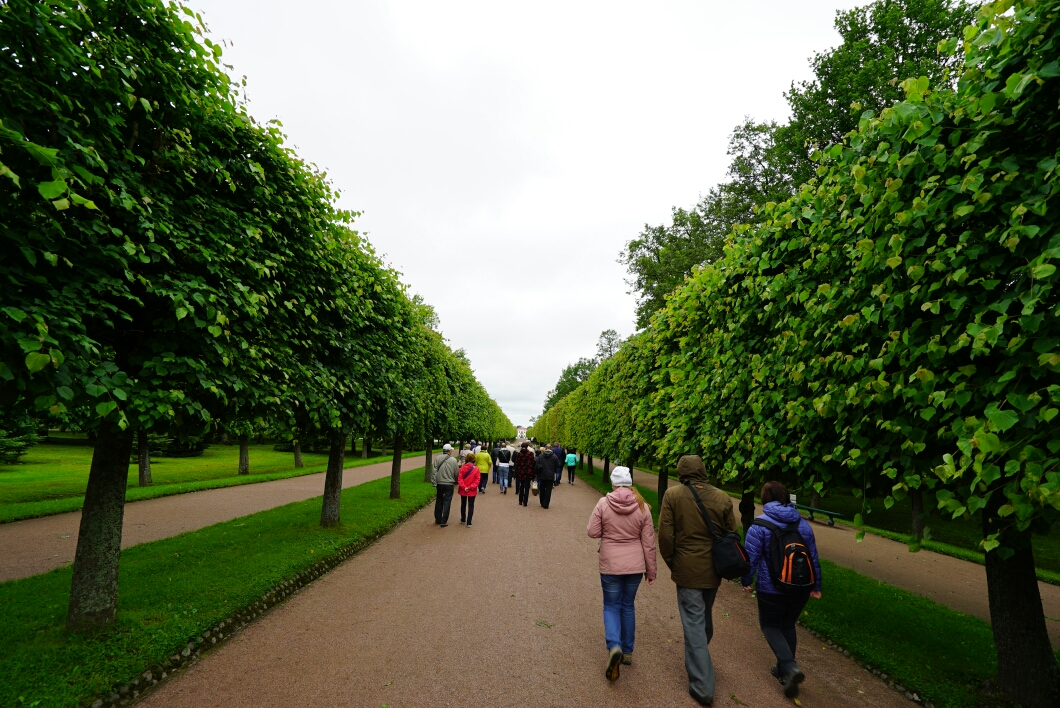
{"x":949,"y":581}
{"x":38,"y":545}
{"x":506,"y":613}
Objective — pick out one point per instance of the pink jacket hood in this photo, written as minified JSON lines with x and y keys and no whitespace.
{"x":627,"y":538}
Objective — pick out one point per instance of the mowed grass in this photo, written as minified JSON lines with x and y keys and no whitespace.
{"x":926,"y":647}
{"x":175,"y":589}
{"x":51,"y":479}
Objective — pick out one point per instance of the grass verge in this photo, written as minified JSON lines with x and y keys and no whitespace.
{"x":175,"y":589}
{"x":53,"y":479}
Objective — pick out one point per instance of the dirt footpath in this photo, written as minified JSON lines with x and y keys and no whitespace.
{"x":506,"y":613}
{"x":949,"y":581}
{"x":38,"y":545}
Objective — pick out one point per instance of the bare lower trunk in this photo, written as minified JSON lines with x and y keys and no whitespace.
{"x":94,"y":585}
{"x":143,"y":457}
{"x":395,"y":470}
{"x":607,"y":466}
{"x":329,"y":512}
{"x":383,"y":443}
{"x":916,"y":503}
{"x":428,"y":462}
{"x":1026,"y":668}
{"x":244,"y":454}
{"x":664,"y":482}
{"x":581,"y":460}
{"x":747,"y":509}
{"x":298,"y":464}
{"x":366,"y":448}
{"x":590,"y":465}
{"x":815,"y":499}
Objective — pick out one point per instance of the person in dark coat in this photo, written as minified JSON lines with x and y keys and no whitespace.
{"x":523,"y":462}
{"x":559,"y":456}
{"x":546,"y":475}
{"x":778,"y":610}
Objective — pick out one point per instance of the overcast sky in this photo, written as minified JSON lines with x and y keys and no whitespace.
{"x":502,"y":153}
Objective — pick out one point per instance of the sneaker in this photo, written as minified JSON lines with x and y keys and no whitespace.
{"x":791,"y":682}
{"x":627,"y":659}
{"x":444,"y":525}
{"x":469,"y":524}
{"x":614,"y":659}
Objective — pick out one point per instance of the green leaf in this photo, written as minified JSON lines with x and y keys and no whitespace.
{"x":1002,"y":419}
{"x":35,"y":361}
{"x":1043,"y":271}
{"x":52,"y":190}
{"x":61,"y":204}
{"x":105,"y":407}
{"x":1006,"y":510}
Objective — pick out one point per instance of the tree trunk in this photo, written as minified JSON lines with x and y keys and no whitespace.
{"x":428,"y":461}
{"x":607,"y":466}
{"x":747,"y":509}
{"x":916,"y":503}
{"x":664,"y":482}
{"x":329,"y":512}
{"x":395,"y":469}
{"x":1026,"y":668}
{"x":383,"y":443}
{"x":94,"y":585}
{"x":815,"y":499}
{"x":298,"y":455}
{"x":581,"y":460}
{"x":143,"y":457}
{"x":366,"y":448}
{"x":244,"y":454}
{"x":590,"y":465}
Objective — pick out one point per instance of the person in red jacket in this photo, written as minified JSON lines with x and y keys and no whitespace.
{"x":467,"y":481}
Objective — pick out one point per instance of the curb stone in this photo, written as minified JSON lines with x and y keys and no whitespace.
{"x":147,"y":682}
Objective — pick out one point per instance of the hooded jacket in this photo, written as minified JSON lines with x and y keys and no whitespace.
{"x":759,"y":539}
{"x":627,"y":539}
{"x":685,"y":542}
{"x":468,"y":480}
{"x":546,"y":465}
{"x":447,"y":471}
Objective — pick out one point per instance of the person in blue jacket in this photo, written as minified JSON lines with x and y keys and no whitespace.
{"x":778,"y":609}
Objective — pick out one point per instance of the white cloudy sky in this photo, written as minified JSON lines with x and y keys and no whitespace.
{"x":501,"y":153}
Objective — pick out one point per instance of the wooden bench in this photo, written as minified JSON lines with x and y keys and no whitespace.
{"x":832,"y":515}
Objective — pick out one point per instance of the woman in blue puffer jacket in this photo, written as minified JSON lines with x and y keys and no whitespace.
{"x":779,"y":609}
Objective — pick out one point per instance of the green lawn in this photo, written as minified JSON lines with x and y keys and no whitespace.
{"x":51,"y":479}
{"x":175,"y":589}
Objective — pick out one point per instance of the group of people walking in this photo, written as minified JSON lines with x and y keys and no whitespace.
{"x":779,"y":561}
{"x":530,"y":469}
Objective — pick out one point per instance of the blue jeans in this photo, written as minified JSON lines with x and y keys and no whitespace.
{"x":620,"y":623}
{"x":502,"y":476}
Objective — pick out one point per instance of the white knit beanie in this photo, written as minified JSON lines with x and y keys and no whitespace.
{"x":621,"y":477}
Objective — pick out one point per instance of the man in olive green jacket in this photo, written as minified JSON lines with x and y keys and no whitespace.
{"x":687,"y":547}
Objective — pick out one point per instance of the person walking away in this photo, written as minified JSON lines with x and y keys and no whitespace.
{"x":783,"y":554}
{"x":546,"y":475}
{"x":572,"y":465}
{"x":504,"y":463}
{"x":493,"y":457}
{"x":557,"y":451}
{"x":445,"y":481}
{"x":468,"y":487}
{"x":622,"y":522}
{"x":438,"y":459}
{"x":482,"y":459}
{"x":524,"y":472}
{"x":686,"y":546}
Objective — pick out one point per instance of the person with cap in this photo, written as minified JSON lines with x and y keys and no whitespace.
{"x":686,"y":545}
{"x":622,"y":521}
{"x":438,"y":459}
{"x":445,"y":481}
{"x":524,"y":472}
{"x":546,"y":475}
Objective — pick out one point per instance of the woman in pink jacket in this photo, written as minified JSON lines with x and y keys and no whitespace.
{"x":622,"y":522}
{"x":467,"y":481}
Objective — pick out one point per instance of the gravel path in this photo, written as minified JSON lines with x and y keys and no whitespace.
{"x":947,"y":580}
{"x":506,"y":613}
{"x":38,"y":545}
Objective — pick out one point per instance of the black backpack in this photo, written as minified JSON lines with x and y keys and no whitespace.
{"x":730,"y":559}
{"x":789,"y":560}
{"x":504,"y":455}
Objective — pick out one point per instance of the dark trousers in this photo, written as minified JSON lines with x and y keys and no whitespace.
{"x":442,"y":500}
{"x":696,"y":606}
{"x":545,"y":492}
{"x":467,"y":509}
{"x":777,"y":614}
{"x":570,"y":474}
{"x":524,"y":490}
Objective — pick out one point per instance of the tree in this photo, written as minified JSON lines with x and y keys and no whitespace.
{"x":570,"y":379}
{"x":607,"y":345}
{"x":883,"y":43}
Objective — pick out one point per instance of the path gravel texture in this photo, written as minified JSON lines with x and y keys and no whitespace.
{"x":948,"y":581}
{"x":506,"y":613}
{"x":38,"y":545}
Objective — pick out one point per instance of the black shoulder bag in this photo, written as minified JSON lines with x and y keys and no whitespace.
{"x":730,"y":559}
